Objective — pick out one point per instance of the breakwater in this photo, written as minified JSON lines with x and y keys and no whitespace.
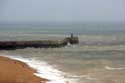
{"x":8,"y":45}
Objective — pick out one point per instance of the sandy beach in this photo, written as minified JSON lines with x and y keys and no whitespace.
{"x":13,"y":71}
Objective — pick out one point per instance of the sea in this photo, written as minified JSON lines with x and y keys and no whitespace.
{"x":98,"y":58}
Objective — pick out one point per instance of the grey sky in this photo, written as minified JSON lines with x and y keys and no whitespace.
{"x":61,"y":10}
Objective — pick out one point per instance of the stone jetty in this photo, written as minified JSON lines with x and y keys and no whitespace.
{"x":10,"y":45}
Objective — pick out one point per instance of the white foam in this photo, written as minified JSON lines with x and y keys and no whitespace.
{"x":111,"y":68}
{"x":89,"y":77}
{"x":44,"y":70}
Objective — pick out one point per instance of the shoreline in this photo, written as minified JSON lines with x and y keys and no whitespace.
{"x":14,"y":71}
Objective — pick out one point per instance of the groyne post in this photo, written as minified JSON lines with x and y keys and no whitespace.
{"x":73,"y":39}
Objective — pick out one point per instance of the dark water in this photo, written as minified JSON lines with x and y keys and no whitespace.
{"x":99,"y":57}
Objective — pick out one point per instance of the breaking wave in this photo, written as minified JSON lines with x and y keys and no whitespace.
{"x":111,"y":68}
{"x":44,"y":70}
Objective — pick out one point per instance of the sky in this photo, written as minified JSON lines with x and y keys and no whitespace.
{"x":62,"y":10}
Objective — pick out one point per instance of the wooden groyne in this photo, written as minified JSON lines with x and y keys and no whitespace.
{"x":38,"y":43}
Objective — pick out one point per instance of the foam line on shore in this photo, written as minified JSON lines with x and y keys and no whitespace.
{"x":44,"y":70}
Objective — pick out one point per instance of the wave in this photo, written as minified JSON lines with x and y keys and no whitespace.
{"x":111,"y":68}
{"x":44,"y":70}
{"x":88,"y":77}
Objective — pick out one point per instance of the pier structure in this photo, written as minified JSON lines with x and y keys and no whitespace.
{"x":39,"y":43}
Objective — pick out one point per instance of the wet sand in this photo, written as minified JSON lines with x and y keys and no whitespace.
{"x":13,"y":71}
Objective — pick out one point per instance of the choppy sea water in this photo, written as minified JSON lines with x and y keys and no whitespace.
{"x":98,"y":58}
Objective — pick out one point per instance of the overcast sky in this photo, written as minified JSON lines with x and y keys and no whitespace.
{"x":62,"y":10}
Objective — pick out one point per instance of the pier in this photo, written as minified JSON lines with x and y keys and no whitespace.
{"x":8,"y":45}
